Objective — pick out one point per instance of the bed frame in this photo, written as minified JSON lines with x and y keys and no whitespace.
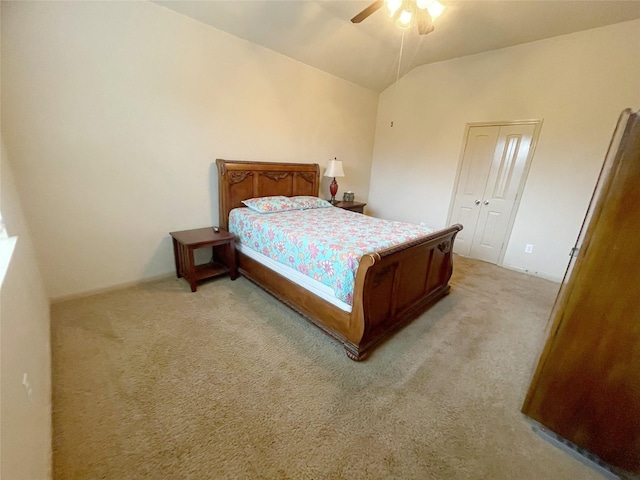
{"x":392,"y":286}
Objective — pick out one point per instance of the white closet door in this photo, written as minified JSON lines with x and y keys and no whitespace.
{"x":508,"y":166}
{"x":494,"y":168}
{"x":479,"y":147}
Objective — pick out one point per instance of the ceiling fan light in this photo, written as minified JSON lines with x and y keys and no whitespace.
{"x":435,"y":8}
{"x":405,"y":19}
{"x":392,"y":6}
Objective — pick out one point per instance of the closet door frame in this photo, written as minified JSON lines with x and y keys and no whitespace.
{"x":516,"y":204}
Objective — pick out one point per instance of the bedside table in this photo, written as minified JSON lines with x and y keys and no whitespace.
{"x":357,"y":207}
{"x":223,"y":248}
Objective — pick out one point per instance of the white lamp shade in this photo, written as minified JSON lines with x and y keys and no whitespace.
{"x":405,"y":19}
{"x":434,"y":7}
{"x":334,"y":169}
{"x":392,"y":6}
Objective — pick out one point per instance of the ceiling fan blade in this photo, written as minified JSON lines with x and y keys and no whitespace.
{"x":425,"y":23}
{"x":367,"y":11}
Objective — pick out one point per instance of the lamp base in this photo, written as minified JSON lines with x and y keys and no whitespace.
{"x":333,"y":188}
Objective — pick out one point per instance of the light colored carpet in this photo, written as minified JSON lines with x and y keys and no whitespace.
{"x":156,"y":382}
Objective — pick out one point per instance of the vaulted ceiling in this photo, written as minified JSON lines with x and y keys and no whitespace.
{"x":320,"y":33}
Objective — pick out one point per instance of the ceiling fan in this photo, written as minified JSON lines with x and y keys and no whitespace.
{"x":406,"y":13}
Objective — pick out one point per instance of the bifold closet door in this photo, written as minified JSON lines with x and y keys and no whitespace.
{"x":480,"y":145}
{"x":494,"y":166}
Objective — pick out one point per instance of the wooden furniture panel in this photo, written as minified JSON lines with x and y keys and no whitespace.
{"x":385,"y":297}
{"x":586,"y":388}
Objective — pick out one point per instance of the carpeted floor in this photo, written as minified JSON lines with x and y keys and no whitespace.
{"x":156,"y":382}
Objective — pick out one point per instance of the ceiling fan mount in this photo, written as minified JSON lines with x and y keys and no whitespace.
{"x":406,"y":13}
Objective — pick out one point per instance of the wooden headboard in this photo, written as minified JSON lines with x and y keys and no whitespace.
{"x":240,"y":180}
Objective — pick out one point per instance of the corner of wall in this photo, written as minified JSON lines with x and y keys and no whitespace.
{"x":25,"y":352}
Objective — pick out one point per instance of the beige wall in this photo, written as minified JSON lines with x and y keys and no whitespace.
{"x":114,"y":112}
{"x":577,"y":84}
{"x":25,"y":409}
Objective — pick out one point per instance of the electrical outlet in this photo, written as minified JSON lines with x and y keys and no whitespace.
{"x":528,"y":248}
{"x":27,"y":385}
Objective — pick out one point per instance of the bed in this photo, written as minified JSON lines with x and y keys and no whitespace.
{"x":392,"y":286}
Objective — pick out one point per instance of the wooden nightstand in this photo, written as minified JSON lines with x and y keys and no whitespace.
{"x":223,"y":248}
{"x":352,"y":206}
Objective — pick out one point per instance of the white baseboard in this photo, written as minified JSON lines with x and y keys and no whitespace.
{"x":553,"y":278}
{"x":111,"y":288}
{"x":579,"y":454}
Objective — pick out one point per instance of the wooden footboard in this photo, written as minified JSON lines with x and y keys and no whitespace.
{"x":392,"y":287}
{"x":397,"y":284}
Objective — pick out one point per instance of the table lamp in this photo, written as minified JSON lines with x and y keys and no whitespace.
{"x":334,"y":170}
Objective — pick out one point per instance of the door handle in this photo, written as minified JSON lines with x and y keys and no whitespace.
{"x":477,"y":202}
{"x":486,"y":202}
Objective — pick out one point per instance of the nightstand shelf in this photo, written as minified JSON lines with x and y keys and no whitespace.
{"x":210,"y":270}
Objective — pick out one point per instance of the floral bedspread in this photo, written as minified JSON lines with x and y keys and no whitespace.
{"x":324,"y":243}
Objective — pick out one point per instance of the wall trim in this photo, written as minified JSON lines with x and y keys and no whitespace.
{"x":552,"y":278}
{"x":111,"y":288}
